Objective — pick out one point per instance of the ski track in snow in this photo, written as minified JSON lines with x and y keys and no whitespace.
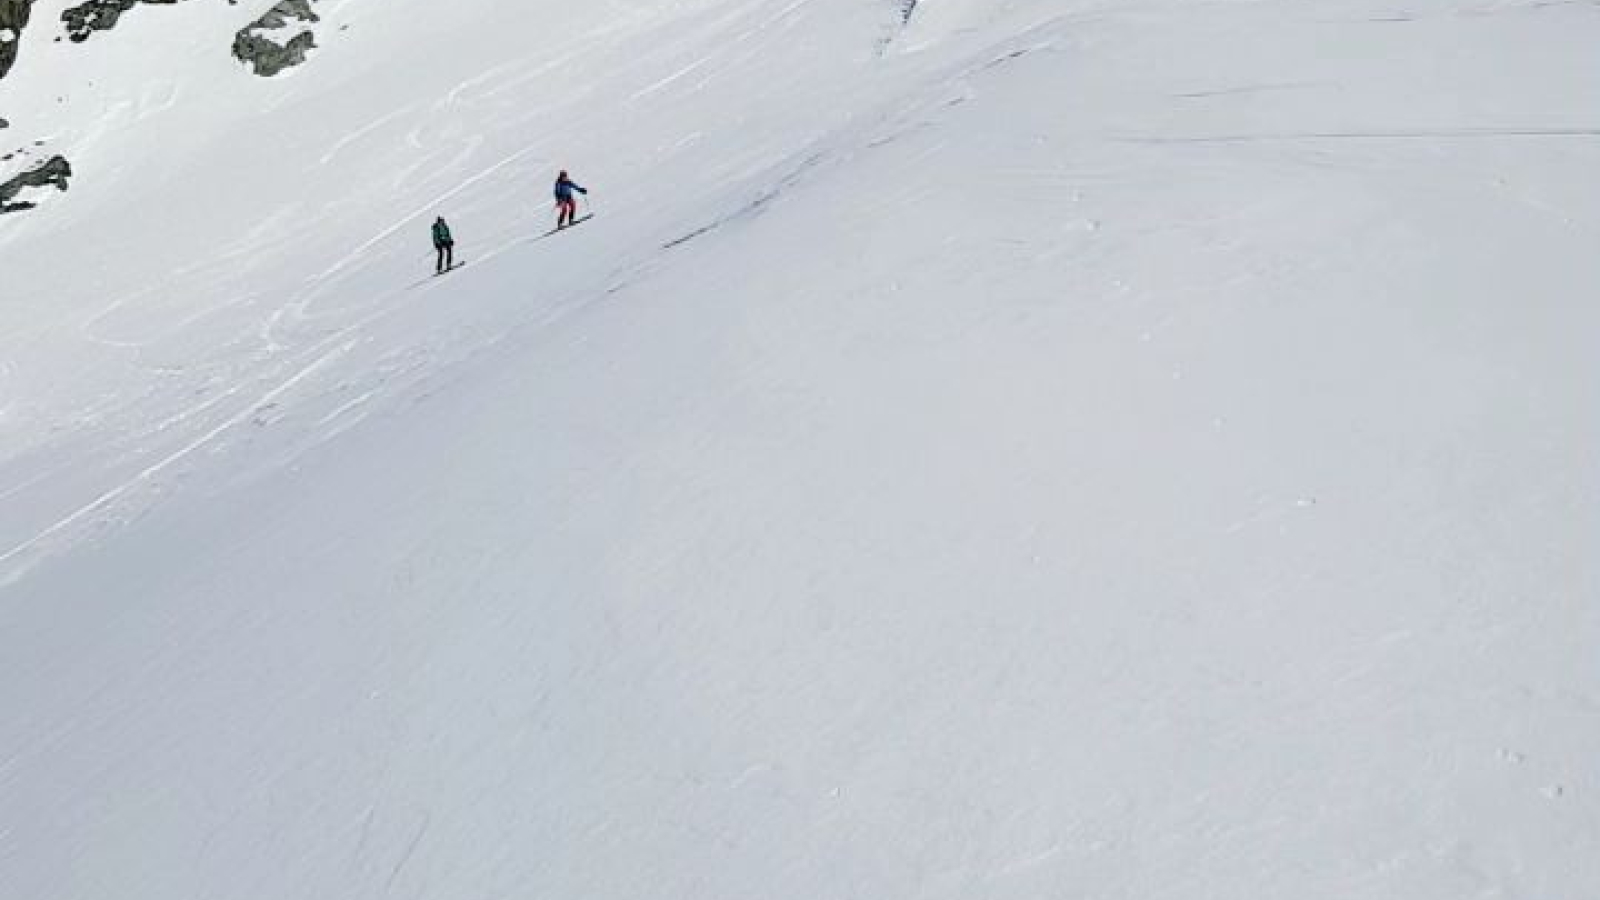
{"x":1394,"y":134}
{"x":362,"y":132}
{"x":146,"y":475}
{"x":425,"y":209}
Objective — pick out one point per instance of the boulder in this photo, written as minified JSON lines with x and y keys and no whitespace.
{"x":266,"y":55}
{"x":13,"y":18}
{"x":54,"y":172}
{"x":86,"y":18}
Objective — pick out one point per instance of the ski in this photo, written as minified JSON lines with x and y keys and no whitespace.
{"x":573,"y":224}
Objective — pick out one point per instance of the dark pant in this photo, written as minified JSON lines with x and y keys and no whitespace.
{"x":566,"y":211}
{"x":447,"y":256}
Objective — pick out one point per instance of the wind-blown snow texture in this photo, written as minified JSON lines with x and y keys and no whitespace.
{"x":1137,"y":449}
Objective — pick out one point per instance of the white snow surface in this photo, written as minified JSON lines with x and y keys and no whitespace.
{"x":1053,"y":449}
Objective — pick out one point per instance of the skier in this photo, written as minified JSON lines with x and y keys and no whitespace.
{"x":445,"y":244}
{"x":566,"y":204}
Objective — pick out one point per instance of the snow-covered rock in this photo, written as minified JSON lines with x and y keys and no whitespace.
{"x":90,"y":16}
{"x":13,"y":18}
{"x":52,"y":173}
{"x":265,"y":47}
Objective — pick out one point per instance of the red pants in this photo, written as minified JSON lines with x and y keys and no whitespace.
{"x":566,"y":212}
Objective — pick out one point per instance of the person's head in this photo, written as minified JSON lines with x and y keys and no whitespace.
{"x":563,"y":175}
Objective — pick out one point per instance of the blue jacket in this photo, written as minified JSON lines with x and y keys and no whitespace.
{"x":565,"y":187}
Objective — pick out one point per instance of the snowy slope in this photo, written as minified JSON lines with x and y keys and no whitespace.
{"x":1051,"y":449}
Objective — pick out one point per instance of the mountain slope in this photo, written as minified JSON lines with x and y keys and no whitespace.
{"x":1113,"y":450}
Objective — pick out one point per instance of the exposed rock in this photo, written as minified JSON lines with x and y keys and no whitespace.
{"x":53,"y":173}
{"x":268,"y":57}
{"x":13,"y":18}
{"x":99,"y":15}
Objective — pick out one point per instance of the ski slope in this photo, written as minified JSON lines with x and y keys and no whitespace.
{"x":1043,"y":448}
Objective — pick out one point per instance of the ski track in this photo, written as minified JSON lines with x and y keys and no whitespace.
{"x":360,"y":133}
{"x":1376,"y":134}
{"x":422,"y":210}
{"x":150,"y":472}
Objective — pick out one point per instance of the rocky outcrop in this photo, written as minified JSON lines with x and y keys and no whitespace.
{"x":13,"y":18}
{"x":278,"y":40}
{"x":53,"y":173}
{"x":265,"y":55}
{"x":86,"y":18}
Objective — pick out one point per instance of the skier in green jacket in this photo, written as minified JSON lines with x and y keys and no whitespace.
{"x":445,"y":244}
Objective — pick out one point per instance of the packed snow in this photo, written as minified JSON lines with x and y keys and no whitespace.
{"x":1035,"y":448}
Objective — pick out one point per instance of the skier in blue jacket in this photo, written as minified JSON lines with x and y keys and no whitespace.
{"x":566,"y":203}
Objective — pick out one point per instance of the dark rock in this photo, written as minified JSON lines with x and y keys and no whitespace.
{"x":13,"y":18}
{"x":99,"y":15}
{"x":266,"y":56}
{"x":53,"y":173}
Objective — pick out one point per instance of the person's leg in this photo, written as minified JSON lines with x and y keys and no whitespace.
{"x":449,"y":256}
{"x":438,"y":263}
